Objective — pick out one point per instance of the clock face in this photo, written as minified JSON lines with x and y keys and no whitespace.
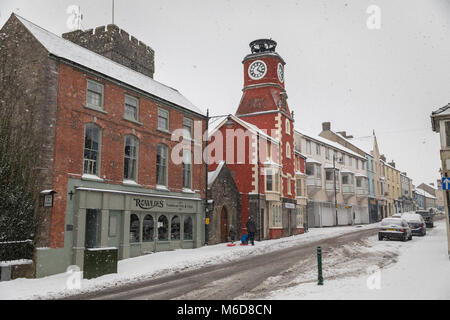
{"x":280,"y":72}
{"x":257,"y":70}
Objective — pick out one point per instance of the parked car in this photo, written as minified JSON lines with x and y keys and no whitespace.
{"x":427,"y":216}
{"x":416,"y":223}
{"x":394,"y":228}
{"x":397,"y":215}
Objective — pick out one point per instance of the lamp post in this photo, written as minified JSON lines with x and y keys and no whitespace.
{"x":335,"y":191}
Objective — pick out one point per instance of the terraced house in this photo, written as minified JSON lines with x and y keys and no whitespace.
{"x":106,"y":144}
{"x":337,"y":183}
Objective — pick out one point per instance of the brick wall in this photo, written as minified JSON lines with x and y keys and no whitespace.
{"x":69,"y":142}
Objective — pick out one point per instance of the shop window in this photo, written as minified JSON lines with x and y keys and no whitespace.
{"x":188,"y":228}
{"x":175,"y":228}
{"x":91,"y":149}
{"x":163,"y":228}
{"x":130,"y":158}
{"x":134,"y":229}
{"x":148,"y":229}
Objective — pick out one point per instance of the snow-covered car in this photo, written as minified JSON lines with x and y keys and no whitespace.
{"x":427,"y":216}
{"x":416,"y":223}
{"x":397,"y":215}
{"x":394,"y":228}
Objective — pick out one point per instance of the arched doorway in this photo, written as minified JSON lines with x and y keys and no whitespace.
{"x":224,"y":225}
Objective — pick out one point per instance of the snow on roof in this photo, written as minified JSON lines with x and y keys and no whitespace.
{"x":243,"y":123}
{"x":424,"y":193}
{"x":310,"y":160}
{"x":343,"y":170}
{"x":445,"y":110}
{"x":212,"y":175}
{"x":68,"y":50}
{"x":364,"y":144}
{"x":330,"y":143}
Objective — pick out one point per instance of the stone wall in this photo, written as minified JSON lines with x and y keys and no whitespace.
{"x":35,"y":78}
{"x":225,"y":193}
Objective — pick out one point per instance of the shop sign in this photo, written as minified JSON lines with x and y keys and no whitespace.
{"x":289,"y":205}
{"x":162,"y":205}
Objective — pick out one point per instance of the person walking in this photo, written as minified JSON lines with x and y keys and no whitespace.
{"x":232,"y":234}
{"x":251,"y":229}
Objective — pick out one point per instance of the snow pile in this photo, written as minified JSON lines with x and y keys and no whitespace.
{"x":418,"y":269}
{"x":161,"y":264}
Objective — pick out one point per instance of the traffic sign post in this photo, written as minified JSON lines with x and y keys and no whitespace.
{"x":445,"y":183}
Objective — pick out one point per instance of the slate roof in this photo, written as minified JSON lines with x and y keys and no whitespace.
{"x":70,"y":51}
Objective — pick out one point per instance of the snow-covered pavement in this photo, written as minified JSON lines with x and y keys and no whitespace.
{"x":157,"y":264}
{"x":420,"y":270}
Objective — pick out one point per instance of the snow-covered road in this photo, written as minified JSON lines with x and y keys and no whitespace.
{"x":160,"y":264}
{"x":420,"y":269}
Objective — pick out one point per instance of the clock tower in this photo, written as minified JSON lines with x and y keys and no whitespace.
{"x":264,"y":105}
{"x":264,"y":88}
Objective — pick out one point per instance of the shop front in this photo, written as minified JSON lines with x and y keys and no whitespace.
{"x":134,"y":223}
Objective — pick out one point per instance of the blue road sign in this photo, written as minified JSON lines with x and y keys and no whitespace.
{"x":445,"y":183}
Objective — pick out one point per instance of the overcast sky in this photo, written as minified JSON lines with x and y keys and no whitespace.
{"x":388,"y":79}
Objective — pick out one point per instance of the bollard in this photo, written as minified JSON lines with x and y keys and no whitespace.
{"x":319,"y":266}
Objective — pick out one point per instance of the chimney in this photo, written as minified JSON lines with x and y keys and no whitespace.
{"x":432,"y":184}
{"x":392,"y":163}
{"x":114,"y":43}
{"x":326,"y":126}
{"x":342,"y":133}
{"x":383,"y":157}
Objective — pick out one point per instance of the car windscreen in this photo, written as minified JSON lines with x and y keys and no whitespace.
{"x":423,"y":213}
{"x":387,"y":222}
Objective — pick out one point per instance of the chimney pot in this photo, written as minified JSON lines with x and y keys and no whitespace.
{"x":326,"y":126}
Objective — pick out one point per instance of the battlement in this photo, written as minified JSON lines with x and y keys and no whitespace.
{"x":118,"y":45}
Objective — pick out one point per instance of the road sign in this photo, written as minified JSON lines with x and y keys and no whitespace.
{"x":445,"y":183}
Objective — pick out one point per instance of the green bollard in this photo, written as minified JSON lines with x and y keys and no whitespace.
{"x":319,"y":266}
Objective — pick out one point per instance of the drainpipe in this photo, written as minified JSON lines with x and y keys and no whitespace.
{"x":206,"y":179}
{"x":258,"y":207}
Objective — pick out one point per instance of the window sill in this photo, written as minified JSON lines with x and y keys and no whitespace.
{"x":133,"y":121}
{"x":131,"y":183}
{"x":91,"y":177}
{"x":186,"y":190}
{"x":164,"y":131}
{"x":95,"y":109}
{"x":162,"y":188}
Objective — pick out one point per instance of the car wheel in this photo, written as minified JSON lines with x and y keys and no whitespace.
{"x":380,"y":237}
{"x":410,"y":237}
{"x":404,"y":238}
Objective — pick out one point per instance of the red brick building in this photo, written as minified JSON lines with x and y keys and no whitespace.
{"x":257,"y":144}
{"x":106,"y":130}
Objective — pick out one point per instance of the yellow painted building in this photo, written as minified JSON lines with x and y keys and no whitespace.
{"x":393,"y":187}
